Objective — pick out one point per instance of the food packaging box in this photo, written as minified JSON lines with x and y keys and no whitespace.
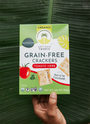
{"x":44,"y":59}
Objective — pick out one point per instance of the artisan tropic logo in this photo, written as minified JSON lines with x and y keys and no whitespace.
{"x":44,"y":35}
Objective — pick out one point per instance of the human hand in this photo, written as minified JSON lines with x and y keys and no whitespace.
{"x":45,"y":107}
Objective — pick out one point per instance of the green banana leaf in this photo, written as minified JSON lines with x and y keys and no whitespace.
{"x":16,"y":109}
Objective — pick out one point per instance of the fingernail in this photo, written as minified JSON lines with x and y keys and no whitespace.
{"x":53,"y":95}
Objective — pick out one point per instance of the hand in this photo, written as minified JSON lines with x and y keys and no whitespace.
{"x":45,"y":107}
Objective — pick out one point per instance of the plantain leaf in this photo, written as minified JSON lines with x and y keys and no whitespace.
{"x":18,"y":109}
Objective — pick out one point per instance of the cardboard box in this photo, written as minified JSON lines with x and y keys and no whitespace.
{"x":44,"y":59}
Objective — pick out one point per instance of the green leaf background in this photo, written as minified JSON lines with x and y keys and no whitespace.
{"x":15,"y":109}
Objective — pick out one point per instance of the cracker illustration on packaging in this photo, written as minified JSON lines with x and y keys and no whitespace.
{"x":64,"y":66}
{"x":44,"y":77}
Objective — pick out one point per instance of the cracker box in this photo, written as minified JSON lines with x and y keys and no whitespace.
{"x":44,"y":59}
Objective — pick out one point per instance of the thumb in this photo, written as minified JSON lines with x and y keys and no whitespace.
{"x":52,"y":104}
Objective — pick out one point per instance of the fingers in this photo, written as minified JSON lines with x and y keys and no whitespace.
{"x":43,"y":98}
{"x":52,"y":104}
{"x":35,"y":100}
{"x":38,"y":110}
